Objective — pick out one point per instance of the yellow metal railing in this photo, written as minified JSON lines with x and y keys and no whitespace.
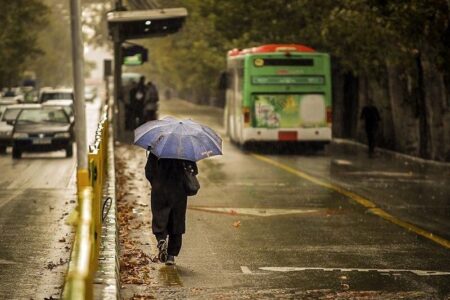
{"x":88,"y":218}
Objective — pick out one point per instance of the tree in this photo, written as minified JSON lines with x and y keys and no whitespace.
{"x":20,"y":22}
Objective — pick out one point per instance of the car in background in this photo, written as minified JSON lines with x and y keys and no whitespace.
{"x":42,"y":129}
{"x":8,"y":117}
{"x":90,"y":93}
{"x":12,"y":96}
{"x":67,"y":105}
{"x":49,"y":94}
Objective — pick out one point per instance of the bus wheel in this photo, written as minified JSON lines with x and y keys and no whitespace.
{"x":245,"y":146}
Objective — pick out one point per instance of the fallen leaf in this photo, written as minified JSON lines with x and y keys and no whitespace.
{"x":237,"y":224}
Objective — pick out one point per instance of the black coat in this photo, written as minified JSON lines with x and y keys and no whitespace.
{"x":371,"y":117}
{"x":168,"y":197}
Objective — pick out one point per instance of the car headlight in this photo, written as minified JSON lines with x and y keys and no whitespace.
{"x":62,"y":135}
{"x":20,"y":135}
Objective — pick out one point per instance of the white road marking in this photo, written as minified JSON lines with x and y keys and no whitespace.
{"x":381,"y":173}
{"x":382,"y":271}
{"x":246,"y":270}
{"x":343,"y":162}
{"x":258,"y":212}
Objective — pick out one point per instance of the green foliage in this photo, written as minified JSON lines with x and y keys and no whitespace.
{"x":362,"y":35}
{"x":20,"y":20}
{"x":94,"y":17}
{"x":54,"y":66}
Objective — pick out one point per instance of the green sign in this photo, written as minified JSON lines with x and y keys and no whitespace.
{"x":135,"y":60}
{"x":287,"y":80}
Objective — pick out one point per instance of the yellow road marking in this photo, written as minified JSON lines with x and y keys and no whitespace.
{"x":358,"y":199}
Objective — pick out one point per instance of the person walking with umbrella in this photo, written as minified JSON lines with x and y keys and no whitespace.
{"x":171,"y":169}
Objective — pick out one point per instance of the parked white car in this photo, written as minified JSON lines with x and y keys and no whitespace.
{"x":50,"y":94}
{"x":12,"y":96}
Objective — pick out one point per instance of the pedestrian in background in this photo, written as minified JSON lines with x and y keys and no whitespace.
{"x":151,"y":102}
{"x":128,"y":97}
{"x":137,"y":102}
{"x":168,"y":203}
{"x":371,"y":118}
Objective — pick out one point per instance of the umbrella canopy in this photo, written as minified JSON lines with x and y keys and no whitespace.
{"x":179,"y":139}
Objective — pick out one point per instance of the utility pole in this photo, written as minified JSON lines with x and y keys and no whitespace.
{"x":79,"y":104}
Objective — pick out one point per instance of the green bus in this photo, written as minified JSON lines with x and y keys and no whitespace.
{"x":278,"y":93}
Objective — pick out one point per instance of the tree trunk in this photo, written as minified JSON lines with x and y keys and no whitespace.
{"x":363,"y":96}
{"x":447,"y":117}
{"x":405,"y":124}
{"x":435,"y":104}
{"x":338,"y":106}
{"x":378,"y":92}
{"x":423,"y":112}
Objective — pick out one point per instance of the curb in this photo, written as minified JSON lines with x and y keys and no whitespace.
{"x":107,"y":279}
{"x":353,"y":145}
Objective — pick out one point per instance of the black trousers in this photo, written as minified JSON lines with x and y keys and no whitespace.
{"x":175,"y":241}
{"x":371,"y":139}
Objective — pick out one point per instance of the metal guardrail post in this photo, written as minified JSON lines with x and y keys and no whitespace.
{"x":79,"y":277}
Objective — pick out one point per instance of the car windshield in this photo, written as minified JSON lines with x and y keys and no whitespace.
{"x":67,"y":108}
{"x":56,"y":96}
{"x":44,"y":115}
{"x":10,"y":114}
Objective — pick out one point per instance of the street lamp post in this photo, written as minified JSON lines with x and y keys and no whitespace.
{"x":79,"y":104}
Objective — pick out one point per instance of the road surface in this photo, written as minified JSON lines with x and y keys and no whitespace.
{"x":37,"y":192}
{"x":266,"y":224}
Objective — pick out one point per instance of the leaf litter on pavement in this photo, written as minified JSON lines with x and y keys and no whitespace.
{"x":136,"y":265}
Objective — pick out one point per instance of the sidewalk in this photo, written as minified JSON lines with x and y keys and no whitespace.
{"x":139,"y":276}
{"x":350,"y":146}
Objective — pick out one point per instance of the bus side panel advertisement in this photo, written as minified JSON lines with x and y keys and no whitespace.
{"x":289,"y":110}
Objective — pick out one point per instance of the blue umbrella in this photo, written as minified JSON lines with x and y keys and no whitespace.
{"x":179,"y":139}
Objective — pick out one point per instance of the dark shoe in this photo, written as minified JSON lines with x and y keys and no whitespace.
{"x":170,"y":260}
{"x":162,"y":247}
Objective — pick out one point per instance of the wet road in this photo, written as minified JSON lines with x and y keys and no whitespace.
{"x":307,"y":225}
{"x":36,"y":194}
